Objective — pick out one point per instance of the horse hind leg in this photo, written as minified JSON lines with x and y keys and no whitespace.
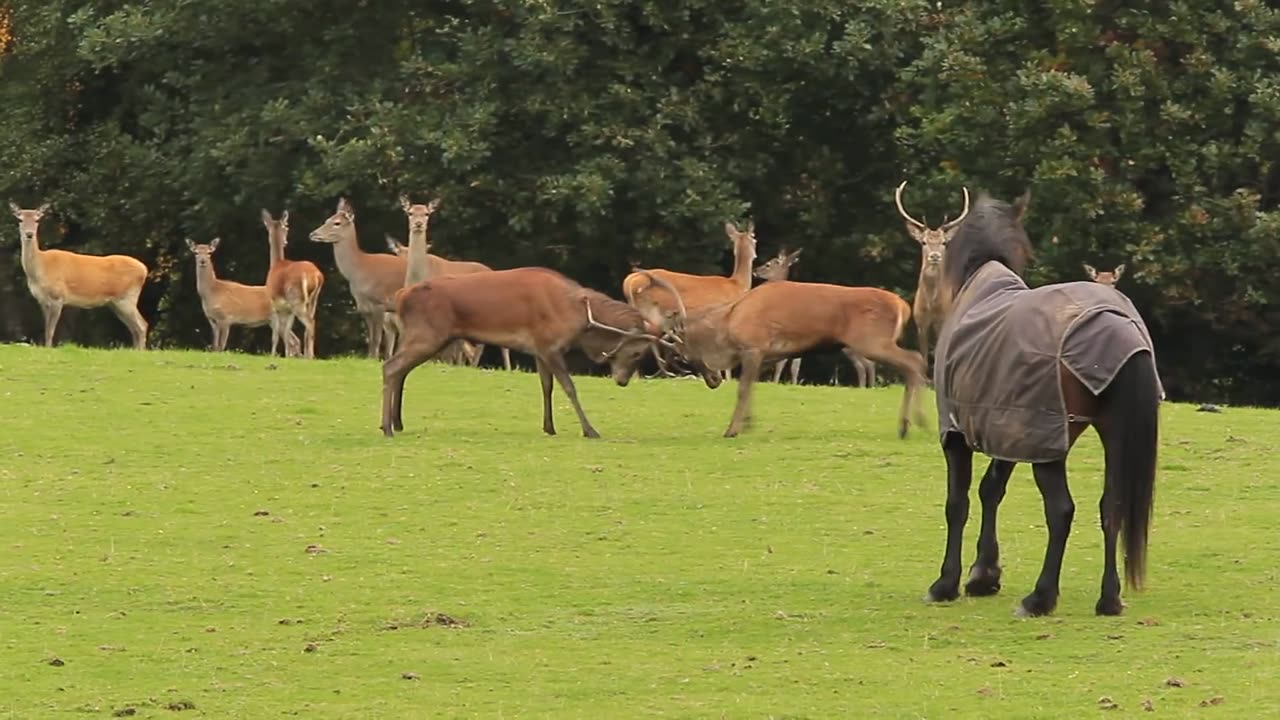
{"x":1059,"y":509}
{"x":984,"y":575}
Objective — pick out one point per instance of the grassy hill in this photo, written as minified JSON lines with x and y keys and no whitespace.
{"x":230,"y":536}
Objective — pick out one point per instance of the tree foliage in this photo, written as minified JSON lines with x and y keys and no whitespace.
{"x":587,"y":136}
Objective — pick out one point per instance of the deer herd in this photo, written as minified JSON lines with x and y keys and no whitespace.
{"x":418,"y":306}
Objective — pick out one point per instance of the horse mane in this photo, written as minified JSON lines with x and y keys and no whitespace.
{"x":991,"y":231}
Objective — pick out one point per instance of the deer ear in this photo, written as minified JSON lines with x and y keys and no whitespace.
{"x":751,"y":227}
{"x":190,"y":245}
{"x":431,"y":206}
{"x":1118,"y":271}
{"x":915,"y":232}
{"x":730,"y":229}
{"x":1090,"y":271}
{"x":266,"y":216}
{"x":284,"y":218}
{"x":1021,"y":205}
{"x":404,"y":203}
{"x":795,"y":256}
{"x":13,"y":207}
{"x":213,"y":244}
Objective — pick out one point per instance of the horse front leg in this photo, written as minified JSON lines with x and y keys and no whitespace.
{"x":984,"y":575}
{"x":959,"y":478}
{"x":1059,"y":509}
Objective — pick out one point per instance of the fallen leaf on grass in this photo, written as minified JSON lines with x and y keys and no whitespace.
{"x":1175,"y":682}
{"x":315,"y":550}
{"x":310,"y":647}
{"x":181,"y":705}
{"x":409,"y":676}
{"x":1106,"y":703}
{"x":55,"y":661}
{"x":999,"y":663}
{"x":1215,"y":700}
{"x":125,"y":712}
{"x":1146,"y":705}
{"x":985,"y":690}
{"x":261,"y":513}
{"x":1149,"y":622}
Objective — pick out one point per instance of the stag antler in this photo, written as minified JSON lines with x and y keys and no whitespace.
{"x":897,"y":198}
{"x":963,"y":213}
{"x":626,"y":334}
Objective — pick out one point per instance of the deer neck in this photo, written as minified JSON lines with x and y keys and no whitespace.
{"x":31,"y":256}
{"x":277,"y":247}
{"x":348,"y":256}
{"x":929,"y":277}
{"x":742,"y":259}
{"x":417,"y":267}
{"x":205,"y":280}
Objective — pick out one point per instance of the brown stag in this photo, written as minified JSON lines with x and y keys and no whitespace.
{"x":422,"y":264}
{"x":373,"y":278}
{"x":293,"y":286}
{"x":59,"y":277}
{"x":784,"y":318}
{"x":228,"y":303}
{"x":779,"y":268}
{"x":928,"y":308}
{"x":698,"y":291}
{"x":1106,"y":278}
{"x":532,"y":309}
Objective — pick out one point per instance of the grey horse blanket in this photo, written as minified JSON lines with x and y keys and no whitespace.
{"x":996,"y":369}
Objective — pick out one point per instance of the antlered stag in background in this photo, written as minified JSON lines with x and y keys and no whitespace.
{"x":928,"y":307}
{"x":226,"y":303}
{"x":784,"y":318}
{"x":778,"y":268}
{"x":293,"y":286}
{"x":534,"y":310}
{"x":58,"y":277}
{"x":698,"y":291}
{"x":373,"y":278}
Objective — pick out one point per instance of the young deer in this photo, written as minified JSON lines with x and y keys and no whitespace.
{"x":784,"y":318}
{"x":531,"y":309}
{"x":698,"y":291}
{"x":292,"y":285}
{"x":373,"y":278}
{"x":1106,"y":278}
{"x":228,"y":303}
{"x":933,"y":244}
{"x":779,"y":268}
{"x":59,"y":277}
{"x":423,"y":265}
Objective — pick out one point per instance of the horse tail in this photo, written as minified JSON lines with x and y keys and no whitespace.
{"x":1132,"y":402}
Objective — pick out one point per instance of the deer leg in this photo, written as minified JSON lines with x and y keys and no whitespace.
{"x":394,"y":372}
{"x":1059,"y":509}
{"x":777,"y":370}
{"x":373,"y":323}
{"x":127,"y":310}
{"x":544,"y":375}
{"x":52,"y":312}
{"x":795,"y":370}
{"x":473,"y":357}
{"x":308,"y":320}
{"x":561,"y":373}
{"x":984,"y":575}
{"x":390,"y":336}
{"x":959,"y":477}
{"x":506,"y":358}
{"x":750,"y":370}
{"x":912,"y":367}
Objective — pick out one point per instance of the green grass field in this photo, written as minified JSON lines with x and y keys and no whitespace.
{"x":194,"y":534}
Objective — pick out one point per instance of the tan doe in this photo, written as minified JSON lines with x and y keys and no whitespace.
{"x":57,"y":278}
{"x":292,"y":285}
{"x":1105,"y":278}
{"x":227,"y":303}
{"x":928,"y":308}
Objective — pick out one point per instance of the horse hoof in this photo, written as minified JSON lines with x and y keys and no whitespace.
{"x":1109,"y":607}
{"x":983,"y":583}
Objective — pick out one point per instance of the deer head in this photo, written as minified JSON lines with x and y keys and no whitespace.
{"x":28,"y":220}
{"x":779,"y":267}
{"x":742,"y":239}
{"x":204,"y":253}
{"x":340,"y":226}
{"x":396,"y":246}
{"x":419,"y":215}
{"x":277,"y":230}
{"x":933,"y":241}
{"x":1106,"y":278}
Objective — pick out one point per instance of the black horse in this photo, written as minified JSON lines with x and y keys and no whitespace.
{"x":1020,"y":374}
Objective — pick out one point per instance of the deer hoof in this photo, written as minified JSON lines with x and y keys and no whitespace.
{"x":592,"y":434}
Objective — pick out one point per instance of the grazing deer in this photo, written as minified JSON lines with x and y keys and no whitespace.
{"x":1105,"y":278}
{"x":927,"y":308}
{"x":779,"y":268}
{"x":422,"y":265}
{"x":228,"y":303}
{"x":373,"y":278}
{"x":698,"y":291}
{"x":59,"y":277}
{"x":292,"y":285}
{"x":531,"y":309}
{"x":783,"y":318}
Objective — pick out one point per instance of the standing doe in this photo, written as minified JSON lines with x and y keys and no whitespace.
{"x":228,"y":303}
{"x":292,"y":285}
{"x":59,"y":277}
{"x":927,"y":308}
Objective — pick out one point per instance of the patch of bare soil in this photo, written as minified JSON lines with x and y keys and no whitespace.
{"x":432,"y":618}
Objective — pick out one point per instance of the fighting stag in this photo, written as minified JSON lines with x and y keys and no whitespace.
{"x":778,"y":268}
{"x":1105,"y":278}
{"x":226,"y":303}
{"x":532,"y":309}
{"x":784,"y":318}
{"x":373,"y":278}
{"x":293,"y":287}
{"x":422,"y":265}
{"x":927,"y":308}
{"x":59,"y":277}
{"x":698,"y":291}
